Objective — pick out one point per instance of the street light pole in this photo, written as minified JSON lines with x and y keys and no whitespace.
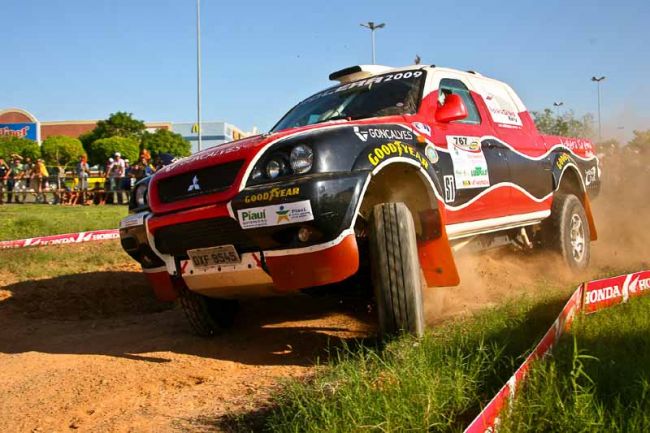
{"x":597,"y":80}
{"x":198,"y":71}
{"x":372,"y":26}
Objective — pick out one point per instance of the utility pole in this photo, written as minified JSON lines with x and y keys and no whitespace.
{"x":198,"y":71}
{"x":557,"y":106}
{"x":372,"y":26}
{"x":597,"y":80}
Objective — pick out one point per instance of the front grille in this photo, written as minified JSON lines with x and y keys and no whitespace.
{"x":204,"y":181}
{"x":177,"y":239}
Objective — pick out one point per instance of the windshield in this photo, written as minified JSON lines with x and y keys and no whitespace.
{"x":381,"y":95}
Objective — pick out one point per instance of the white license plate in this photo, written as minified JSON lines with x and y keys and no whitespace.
{"x":215,"y":256}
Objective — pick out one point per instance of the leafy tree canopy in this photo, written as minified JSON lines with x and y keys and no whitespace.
{"x":21,"y":146}
{"x":119,"y":124}
{"x":567,"y":125}
{"x":100,"y":150}
{"x":164,"y":141}
{"x":61,"y":150}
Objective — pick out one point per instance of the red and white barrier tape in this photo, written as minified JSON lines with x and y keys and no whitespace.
{"x":68,"y":238}
{"x":588,"y":298}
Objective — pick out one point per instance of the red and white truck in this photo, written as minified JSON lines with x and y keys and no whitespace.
{"x":397,"y":168}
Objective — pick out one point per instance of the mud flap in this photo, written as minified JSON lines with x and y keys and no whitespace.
{"x":161,"y":283}
{"x":437,"y":260}
{"x":593,"y":235}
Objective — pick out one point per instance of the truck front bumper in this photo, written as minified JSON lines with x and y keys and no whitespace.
{"x":274,"y":260}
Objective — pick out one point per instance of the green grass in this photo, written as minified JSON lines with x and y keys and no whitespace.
{"x":30,"y":220}
{"x":441,"y":382}
{"x":597,"y":380}
{"x":58,"y":260}
{"x":435,"y":384}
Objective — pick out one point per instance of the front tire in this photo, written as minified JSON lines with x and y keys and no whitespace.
{"x":567,"y":231}
{"x":395,"y":270}
{"x":207,"y":316}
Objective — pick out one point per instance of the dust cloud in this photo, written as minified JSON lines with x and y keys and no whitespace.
{"x":622,"y":216}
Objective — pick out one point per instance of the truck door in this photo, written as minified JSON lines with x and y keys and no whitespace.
{"x":472,"y":162}
{"x":530,"y":177}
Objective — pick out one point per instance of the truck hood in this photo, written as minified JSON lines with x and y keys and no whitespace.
{"x":243,"y":151}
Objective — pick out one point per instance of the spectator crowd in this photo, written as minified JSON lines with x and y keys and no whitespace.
{"x":25,"y":181}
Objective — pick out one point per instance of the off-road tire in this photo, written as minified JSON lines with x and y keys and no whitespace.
{"x":395,"y":270}
{"x":566,"y":231}
{"x":207,"y":316}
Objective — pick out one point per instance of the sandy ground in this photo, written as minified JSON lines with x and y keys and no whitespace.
{"x":114,"y":360}
{"x":95,"y":353}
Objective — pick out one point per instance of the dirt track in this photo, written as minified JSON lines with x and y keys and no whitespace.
{"x":94,"y":352}
{"x":117,"y":361}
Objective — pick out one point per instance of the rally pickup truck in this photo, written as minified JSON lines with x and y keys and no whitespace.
{"x":395,"y":168}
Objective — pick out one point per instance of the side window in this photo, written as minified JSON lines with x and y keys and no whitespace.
{"x":449,"y":86}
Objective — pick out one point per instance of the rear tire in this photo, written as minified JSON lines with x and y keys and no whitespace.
{"x":567,"y":231}
{"x":207,"y":316}
{"x":395,"y":270}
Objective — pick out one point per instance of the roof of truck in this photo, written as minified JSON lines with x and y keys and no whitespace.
{"x":359,"y":72}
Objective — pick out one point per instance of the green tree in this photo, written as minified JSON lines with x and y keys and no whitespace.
{"x":120,"y":124}
{"x":100,"y":150}
{"x":164,"y":141}
{"x":567,"y":125}
{"x":21,"y":146}
{"x":641,"y":142}
{"x":63,"y":150}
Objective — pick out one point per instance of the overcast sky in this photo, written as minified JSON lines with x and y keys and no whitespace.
{"x":83,"y":59}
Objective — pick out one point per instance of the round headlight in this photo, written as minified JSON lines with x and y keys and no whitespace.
{"x":301,"y":159}
{"x":141,"y":195}
{"x":257,"y":174}
{"x":274,"y":168}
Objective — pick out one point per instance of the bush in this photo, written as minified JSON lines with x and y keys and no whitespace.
{"x":100,"y":150}
{"x":164,"y":141}
{"x":61,"y":150}
{"x":21,"y":146}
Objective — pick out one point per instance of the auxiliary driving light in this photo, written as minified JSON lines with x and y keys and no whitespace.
{"x":304,"y":233}
{"x":274,"y":168}
{"x":301,"y":159}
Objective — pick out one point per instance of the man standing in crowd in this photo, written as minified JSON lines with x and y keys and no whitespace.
{"x":115,"y":173}
{"x":39,"y":180}
{"x":26,"y":178}
{"x":16,"y":174}
{"x":83,"y":171}
{"x":4,"y":175}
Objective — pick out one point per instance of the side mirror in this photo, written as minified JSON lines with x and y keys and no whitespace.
{"x":453,"y":109}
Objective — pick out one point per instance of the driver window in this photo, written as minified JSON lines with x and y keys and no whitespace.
{"x":450,"y":86}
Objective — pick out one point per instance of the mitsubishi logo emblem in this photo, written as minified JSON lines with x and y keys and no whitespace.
{"x":195,"y":185}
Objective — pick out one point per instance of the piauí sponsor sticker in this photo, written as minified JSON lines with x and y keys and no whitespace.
{"x":275,"y":215}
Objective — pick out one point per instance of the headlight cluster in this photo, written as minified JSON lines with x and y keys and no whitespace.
{"x":298,"y":161}
{"x":140,"y":195}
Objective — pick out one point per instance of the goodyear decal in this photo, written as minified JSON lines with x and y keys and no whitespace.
{"x":272,"y":194}
{"x":395,"y":149}
{"x":562,"y":160}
